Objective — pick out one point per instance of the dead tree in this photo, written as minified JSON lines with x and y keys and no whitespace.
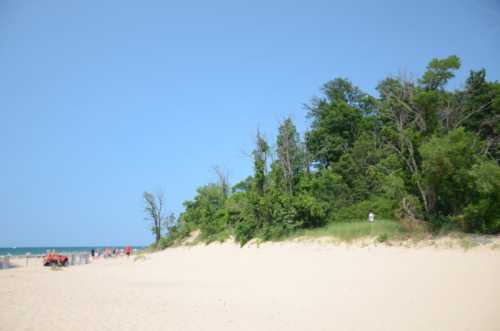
{"x":405,"y":116}
{"x":222,"y":181}
{"x":154,"y":209}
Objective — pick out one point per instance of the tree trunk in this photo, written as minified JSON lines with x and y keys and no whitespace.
{"x":158,"y":233}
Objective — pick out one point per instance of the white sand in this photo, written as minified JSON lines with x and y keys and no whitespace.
{"x":285,"y":286}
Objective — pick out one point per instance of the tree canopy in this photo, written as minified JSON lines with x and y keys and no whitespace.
{"x":415,"y":151}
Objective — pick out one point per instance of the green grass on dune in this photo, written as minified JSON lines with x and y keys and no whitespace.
{"x":349,"y":231}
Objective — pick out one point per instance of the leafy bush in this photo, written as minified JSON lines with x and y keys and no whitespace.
{"x":446,"y":164}
{"x":483,"y":214}
{"x":309,"y":211}
{"x":245,"y":231}
{"x":275,"y":215}
{"x":165,"y":242}
{"x":214,"y":227}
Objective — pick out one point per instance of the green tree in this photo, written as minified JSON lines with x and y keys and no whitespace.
{"x":439,"y":71}
{"x":260,"y":155}
{"x":168,"y":223}
{"x":481,"y":111}
{"x":482,"y":215}
{"x":336,"y":121}
{"x":290,"y":155}
{"x":207,"y":212}
{"x":446,"y":165}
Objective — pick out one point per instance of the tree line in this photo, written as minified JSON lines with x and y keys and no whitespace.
{"x":416,"y":152}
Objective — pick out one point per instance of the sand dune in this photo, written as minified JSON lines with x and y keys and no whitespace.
{"x":278,"y":286}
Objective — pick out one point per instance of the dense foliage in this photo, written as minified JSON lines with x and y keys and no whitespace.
{"x":417,"y":151}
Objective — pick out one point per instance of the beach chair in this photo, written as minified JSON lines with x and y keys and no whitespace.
{"x":83,"y":258}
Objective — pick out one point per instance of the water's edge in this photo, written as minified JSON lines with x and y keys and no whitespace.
{"x":34,"y":251}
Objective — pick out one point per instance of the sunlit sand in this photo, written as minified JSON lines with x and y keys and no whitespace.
{"x":276,"y":286}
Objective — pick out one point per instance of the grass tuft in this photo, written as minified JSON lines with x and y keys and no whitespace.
{"x":467,"y":243}
{"x":382,"y":237}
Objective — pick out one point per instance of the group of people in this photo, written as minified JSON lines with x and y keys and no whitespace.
{"x":111,"y":252}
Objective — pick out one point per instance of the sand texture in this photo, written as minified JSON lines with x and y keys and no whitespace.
{"x":276,"y":286}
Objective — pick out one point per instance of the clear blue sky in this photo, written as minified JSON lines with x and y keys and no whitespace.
{"x":101,"y":100}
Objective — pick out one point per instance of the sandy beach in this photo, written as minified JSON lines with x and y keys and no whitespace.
{"x":276,"y":286}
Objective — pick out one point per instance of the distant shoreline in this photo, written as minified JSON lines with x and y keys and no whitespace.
{"x":42,"y":250}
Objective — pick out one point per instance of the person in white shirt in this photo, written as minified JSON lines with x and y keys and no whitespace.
{"x":371,"y":217}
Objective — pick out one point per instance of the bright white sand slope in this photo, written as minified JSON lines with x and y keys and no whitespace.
{"x":279,"y":286}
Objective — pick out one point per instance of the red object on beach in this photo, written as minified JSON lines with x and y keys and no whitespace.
{"x":128,"y":250}
{"x":55,"y":259}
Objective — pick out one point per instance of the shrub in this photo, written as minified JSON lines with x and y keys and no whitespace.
{"x":446,"y":161}
{"x":165,"y":242}
{"x":214,"y":228}
{"x":382,"y":237}
{"x":483,"y":214}
{"x":308,"y":211}
{"x":244,"y":232}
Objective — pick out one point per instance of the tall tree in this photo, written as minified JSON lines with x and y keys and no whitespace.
{"x":222,"y":181}
{"x":403,"y":123}
{"x":336,"y":120}
{"x":290,"y":154}
{"x":439,"y":71}
{"x":154,"y":209}
{"x":481,"y":111}
{"x":260,"y":155}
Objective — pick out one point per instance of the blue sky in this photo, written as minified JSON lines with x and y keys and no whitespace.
{"x":101,"y":100}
